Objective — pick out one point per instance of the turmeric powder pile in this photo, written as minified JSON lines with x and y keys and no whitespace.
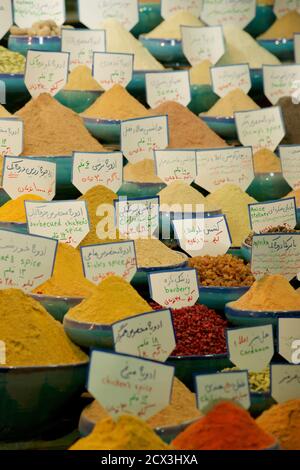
{"x":265,"y":161}
{"x":14,"y":210}
{"x":296,"y":195}
{"x":200,"y":73}
{"x":4,"y":113}
{"x":236,"y":100}
{"x":141,"y":172}
{"x":81,"y":79}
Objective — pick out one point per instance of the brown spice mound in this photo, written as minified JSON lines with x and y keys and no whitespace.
{"x":279,"y":229}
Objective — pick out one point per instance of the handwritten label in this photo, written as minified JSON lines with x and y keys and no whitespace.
{"x":2,"y":92}
{"x":46,"y":72}
{"x":273,"y":213}
{"x":227,"y":12}
{"x":203,"y":236}
{"x":176,"y":165}
{"x":109,"y":259}
{"x":297,"y":47}
{"x":233,"y":386}
{"x":29,"y":176}
{"x":285,"y":382}
{"x":282,"y":7}
{"x":289,"y":339}
{"x":170,"y":7}
{"x":290,"y":164}
{"x":230,"y":77}
{"x":231,"y":165}
{"x":150,"y":336}
{"x":201,"y":43}
{"x":92,"y":169}
{"x":65,"y":221}
{"x":2,"y":353}
{"x":11,"y":136}
{"x":137,"y":218}
{"x":168,"y":86}
{"x":140,"y":137}
{"x":26,"y":261}
{"x":263,"y":128}
{"x":111,"y":69}
{"x":124,"y":11}
{"x":174,"y":289}
{"x":81,"y":45}
{"x":279,"y":81}
{"x":6,"y":16}
{"x":27,"y":12}
{"x":276,"y":254}
{"x":129,"y":385}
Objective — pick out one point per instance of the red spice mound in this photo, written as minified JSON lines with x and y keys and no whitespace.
{"x":226,"y":427}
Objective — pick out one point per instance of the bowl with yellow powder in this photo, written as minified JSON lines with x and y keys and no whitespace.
{"x":13,"y":214}
{"x":264,"y":18}
{"x":140,"y":180}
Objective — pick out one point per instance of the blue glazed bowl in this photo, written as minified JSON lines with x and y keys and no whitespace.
{"x":217,"y":297}
{"x":149,"y":18}
{"x":268,"y":186}
{"x":140,"y":189}
{"x":235,"y":251}
{"x":257,"y":88}
{"x":78,"y":101}
{"x":22,"y":44}
{"x":167,"y":51}
{"x":298,"y":218}
{"x":264,"y":18}
{"x":223,"y":126}
{"x":260,"y":402}
{"x":14,"y":227}
{"x":203,"y":98}
{"x":89,"y":335}
{"x":245,"y":318}
{"x":137,"y":86}
{"x":17,"y":94}
{"x":281,"y":48}
{"x":4,"y":197}
{"x":108,"y":131}
{"x":246,"y":252}
{"x":33,"y":397}
{"x":58,"y":307}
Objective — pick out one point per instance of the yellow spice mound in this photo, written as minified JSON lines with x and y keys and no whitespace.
{"x":153,"y":253}
{"x":4,"y":113}
{"x":271,"y":293}
{"x":117,"y":104}
{"x":265,"y":161}
{"x":236,"y":100}
{"x":114,"y":300}
{"x":200,"y":73}
{"x":14,"y":210}
{"x":141,"y":172}
{"x":81,"y":79}
{"x":296,"y":195}
{"x":31,"y":336}
{"x":171,"y":27}
{"x":185,"y":197}
{"x":284,"y":27}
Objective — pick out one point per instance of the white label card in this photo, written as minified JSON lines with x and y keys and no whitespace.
{"x":137,"y":218}
{"x":46,"y":72}
{"x":203,"y":43}
{"x":149,"y":336}
{"x":140,"y":137}
{"x":290,"y":164}
{"x":233,"y":386}
{"x":11,"y":136}
{"x":297,"y":47}
{"x":231,"y":165}
{"x":111,"y":69}
{"x":203,"y":236}
{"x":279,"y":81}
{"x":97,"y":11}
{"x":2,"y":353}
{"x":109,"y":259}
{"x":81,"y":45}
{"x":282,"y":7}
{"x":6,"y":16}
{"x":226,"y":12}
{"x":263,"y":128}
{"x":26,"y":261}
{"x":92,"y":169}
{"x":170,"y":7}
{"x":285,"y":382}
{"x":230,"y":77}
{"x":65,"y":221}
{"x":174,"y":289}
{"x":289,"y":339}
{"x":276,"y":254}
{"x":168,"y":86}
{"x":273,"y":213}
{"x":29,"y":176}
{"x":129,"y":385}
{"x":27,"y":12}
{"x":176,"y":165}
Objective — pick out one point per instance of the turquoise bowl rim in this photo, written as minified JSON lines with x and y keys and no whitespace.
{"x":55,"y":297}
{"x":41,"y":368}
{"x":223,"y":289}
{"x":94,"y":92}
{"x":106,"y":122}
{"x":279,"y":40}
{"x":12,"y":75}
{"x":25,"y":37}
{"x":195,"y":357}
{"x":220,"y":120}
{"x":169,"y":41}
{"x":259,"y":313}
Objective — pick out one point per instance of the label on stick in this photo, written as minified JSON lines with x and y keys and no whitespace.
{"x":6,"y":16}
{"x":11,"y":136}
{"x":289,"y":339}
{"x":226,"y":12}
{"x":97,"y":11}
{"x":168,"y":86}
{"x":27,"y":12}
{"x":282,"y":7}
{"x":176,"y":165}
{"x":111,"y":69}
{"x":137,"y":218}
{"x":227,"y":78}
{"x":81,"y":45}
{"x":297,"y":47}
{"x":2,"y":353}
{"x":279,"y":81}
{"x":290,"y":164}
{"x":273,"y":213}
{"x":202,"y":43}
{"x":170,"y":7}
{"x":285,"y":382}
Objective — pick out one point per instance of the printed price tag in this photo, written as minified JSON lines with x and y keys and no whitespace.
{"x":109,"y":259}
{"x":65,"y":221}
{"x":29,"y":176}
{"x":137,"y":218}
{"x":263,"y":128}
{"x":227,"y":12}
{"x":276,"y":254}
{"x":2,"y":92}
{"x":176,"y":165}
{"x":168,"y":86}
{"x":174,"y":288}
{"x":129,"y":385}
{"x":81,"y":45}
{"x":227,"y":78}
{"x":2,"y":353}
{"x":26,"y":261}
{"x":289,"y":339}
{"x":92,"y":169}
{"x":150,"y":336}
{"x":111,"y":69}
{"x":231,"y":165}
{"x":46,"y":72}
{"x":124,"y":11}
{"x":273,"y":213}
{"x":201,"y":43}
{"x":140,"y":137}
{"x":290,"y":164}
{"x":203,"y":236}
{"x":297,"y":47}
{"x":6,"y":16}
{"x":285,"y":382}
{"x":233,"y":386}
{"x":170,"y":7}
{"x":282,"y":7}
{"x":279,"y":81}
{"x":11,"y":136}
{"x":27,"y":12}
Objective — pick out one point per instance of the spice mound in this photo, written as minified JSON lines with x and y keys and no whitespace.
{"x":68,"y":278}
{"x":114,"y":300}
{"x":265,"y":161}
{"x":278,"y":229}
{"x":14,"y":210}
{"x":291,"y":118}
{"x":284,"y":27}
{"x":52,"y":129}
{"x":127,"y":433}
{"x":200,"y":73}
{"x":141,"y":172}
{"x":226,"y":426}
{"x":283,"y":421}
{"x":153,"y":253}
{"x":39,"y":28}
{"x":31,"y":336}
{"x":222,"y":271}
{"x":236,"y":100}
{"x":81,"y":79}
{"x":4,"y":113}
{"x":271,"y":293}
{"x":296,"y":195}
{"x":180,"y":197}
{"x":171,"y":27}
{"x":115,"y":104}
{"x":259,"y":382}
{"x":11,"y":62}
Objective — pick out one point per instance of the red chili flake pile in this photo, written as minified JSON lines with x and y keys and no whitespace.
{"x":199,"y":331}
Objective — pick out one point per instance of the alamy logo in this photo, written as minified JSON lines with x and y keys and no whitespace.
{"x":295,"y":92}
{"x":296,"y":352}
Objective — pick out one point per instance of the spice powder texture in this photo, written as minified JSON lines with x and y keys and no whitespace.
{"x":14,"y":210}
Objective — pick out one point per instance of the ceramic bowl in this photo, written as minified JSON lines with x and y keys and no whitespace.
{"x":140,"y":189}
{"x":264,"y":18}
{"x":167,"y":51}
{"x":107,"y":131}
{"x":58,"y":307}
{"x":17,"y":94}
{"x":89,"y":335}
{"x":246,"y":252}
{"x":203,"y":98}
{"x":268,"y":186}
{"x":257,"y":89}
{"x":217,"y":297}
{"x":260,"y":402}
{"x":149,"y":18}
{"x":281,"y":48}
{"x":223,"y":126}
{"x":78,"y":101}
{"x":22,"y":44}
{"x":14,"y":227}
{"x":245,"y":318}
